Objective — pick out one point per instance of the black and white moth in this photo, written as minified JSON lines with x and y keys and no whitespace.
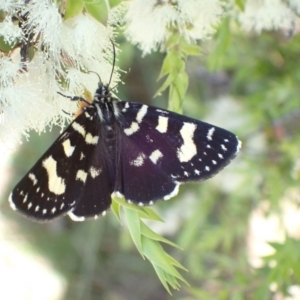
{"x":123,"y":149}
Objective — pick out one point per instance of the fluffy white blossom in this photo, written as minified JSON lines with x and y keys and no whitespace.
{"x":267,"y":15}
{"x":11,"y":6}
{"x":63,"y":49}
{"x":295,"y":4}
{"x":150,"y":23}
{"x":10,"y":32}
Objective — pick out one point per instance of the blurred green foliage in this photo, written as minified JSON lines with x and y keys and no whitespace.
{"x":211,"y":222}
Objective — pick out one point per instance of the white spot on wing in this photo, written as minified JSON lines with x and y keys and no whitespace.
{"x":155,"y":156}
{"x":79,"y":128}
{"x":139,"y":161}
{"x":223,"y":147}
{"x":56,"y":184}
{"x":126,"y":106}
{"x":162,"y":124}
{"x":94,"y":172}
{"x":25,"y":198}
{"x":188,"y":149}
{"x":141,"y":114}
{"x":91,"y":139}
{"x":11,"y":203}
{"x":134,"y":127}
{"x":162,"y":111}
{"x":239,"y":146}
{"x":173,"y":193}
{"x":210,"y":133}
{"x":33,"y":178}
{"x":81,"y":175}
{"x":117,"y":194}
{"x":197,"y":172}
{"x":76,"y":218}
{"x":68,"y":149}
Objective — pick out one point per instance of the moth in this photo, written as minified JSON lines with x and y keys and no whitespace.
{"x":123,"y":149}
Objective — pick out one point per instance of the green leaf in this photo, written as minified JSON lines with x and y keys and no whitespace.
{"x":133,"y":223}
{"x":73,"y":8}
{"x":166,"y":84}
{"x":156,"y":255}
{"x":97,"y":9}
{"x":177,"y":92}
{"x":167,"y":65}
{"x":5,"y":47}
{"x":173,"y":40}
{"x":191,"y":49}
{"x":149,"y":233}
{"x":116,"y":209}
{"x":142,"y":211}
{"x":162,"y":277}
{"x":152,"y":215}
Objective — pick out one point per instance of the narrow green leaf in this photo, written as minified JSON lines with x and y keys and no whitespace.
{"x":116,"y":209}
{"x":181,"y":83}
{"x":156,"y":255}
{"x":175,"y":263}
{"x":191,"y":49}
{"x":149,"y":233}
{"x":177,"y":92}
{"x":173,"y":40}
{"x":166,"y":84}
{"x":142,"y":211}
{"x":73,"y":8}
{"x":133,"y":223}
{"x":152,"y":214}
{"x":162,"y":277}
{"x":167,"y":66}
{"x":172,"y":62}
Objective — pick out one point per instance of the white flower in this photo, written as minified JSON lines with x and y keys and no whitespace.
{"x":10,"y":31}
{"x":198,"y":18}
{"x":150,"y":23}
{"x":266,"y":15}
{"x":295,"y":4}
{"x":63,"y":49}
{"x":11,"y":6}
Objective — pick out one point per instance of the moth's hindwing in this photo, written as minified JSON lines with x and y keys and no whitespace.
{"x":161,"y":149}
{"x":95,"y":199}
{"x":55,"y":183}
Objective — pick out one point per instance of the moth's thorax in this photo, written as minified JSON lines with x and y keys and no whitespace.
{"x":104,"y":105}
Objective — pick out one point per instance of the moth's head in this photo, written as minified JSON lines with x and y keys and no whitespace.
{"x":102,"y":90}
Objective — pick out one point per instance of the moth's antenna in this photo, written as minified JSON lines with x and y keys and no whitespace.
{"x":114,"y":61}
{"x":97,"y":75}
